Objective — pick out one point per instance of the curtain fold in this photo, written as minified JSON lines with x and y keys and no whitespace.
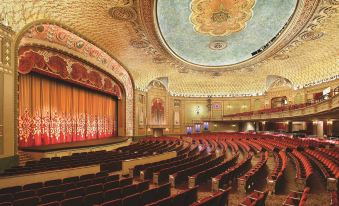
{"x":54,"y":112}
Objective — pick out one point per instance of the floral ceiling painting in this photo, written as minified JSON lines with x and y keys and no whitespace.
{"x":220,"y":17}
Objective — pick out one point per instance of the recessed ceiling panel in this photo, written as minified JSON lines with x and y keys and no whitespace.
{"x":216,"y":33}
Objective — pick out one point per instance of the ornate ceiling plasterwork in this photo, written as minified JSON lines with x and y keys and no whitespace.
{"x":189,"y":45}
{"x":310,"y":56}
{"x":304,"y":12}
{"x":220,"y":17}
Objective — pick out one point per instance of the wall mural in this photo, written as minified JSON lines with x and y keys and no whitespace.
{"x":158,"y":112}
{"x":59,"y":66}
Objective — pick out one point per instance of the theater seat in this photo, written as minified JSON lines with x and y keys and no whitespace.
{"x":93,"y":198}
{"x":50,"y":204}
{"x":58,"y":196}
{"x":112,"y":194}
{"x":31,"y":201}
{"x":132,"y":200}
{"x":6,"y":198}
{"x":75,"y":201}
{"x":117,"y":202}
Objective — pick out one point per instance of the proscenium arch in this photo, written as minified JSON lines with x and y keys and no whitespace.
{"x":128,"y":104}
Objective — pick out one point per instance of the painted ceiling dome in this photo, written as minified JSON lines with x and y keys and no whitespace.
{"x":216,"y":33}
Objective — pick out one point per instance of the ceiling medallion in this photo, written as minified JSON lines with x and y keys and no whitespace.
{"x":220,"y":17}
{"x":123,"y":13}
{"x":217,"y":45}
{"x":312,"y":35}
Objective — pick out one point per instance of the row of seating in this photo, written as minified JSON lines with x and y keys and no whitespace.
{"x":185,"y":198}
{"x":201,"y":176}
{"x":218,"y":198}
{"x":331,"y":168}
{"x":147,"y":173}
{"x":280,"y":165}
{"x":256,"y":198}
{"x":90,"y":158}
{"x":82,"y":195}
{"x":141,"y":167}
{"x":44,"y":187}
{"x":297,"y":198}
{"x":248,"y":179}
{"x":334,"y":198}
{"x":141,"y":198}
{"x":163,"y":174}
{"x":182,"y":175}
{"x":303,"y":166}
{"x":234,"y":172}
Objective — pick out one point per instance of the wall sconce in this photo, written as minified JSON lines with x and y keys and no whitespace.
{"x":197,"y":110}
{"x":148,"y":129}
{"x":166,"y":129}
{"x":330,"y":122}
{"x":315,"y":122}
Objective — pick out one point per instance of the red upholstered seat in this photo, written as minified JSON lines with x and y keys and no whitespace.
{"x":31,"y":201}
{"x":72,"y":201}
{"x":58,"y":196}
{"x":117,"y":202}
{"x":93,"y":198}
{"x":132,"y":200}
{"x":112,"y":194}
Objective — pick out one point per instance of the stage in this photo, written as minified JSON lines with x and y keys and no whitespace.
{"x":59,"y":150}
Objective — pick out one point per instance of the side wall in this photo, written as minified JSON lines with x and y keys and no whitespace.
{"x":181,"y":112}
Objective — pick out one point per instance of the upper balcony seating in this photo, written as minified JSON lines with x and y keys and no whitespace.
{"x":297,"y":198}
{"x":256,"y":198}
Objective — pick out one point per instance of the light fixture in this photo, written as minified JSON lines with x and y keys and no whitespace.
{"x":197,"y":110}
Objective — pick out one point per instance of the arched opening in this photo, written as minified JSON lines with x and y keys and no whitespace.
{"x":81,"y":67}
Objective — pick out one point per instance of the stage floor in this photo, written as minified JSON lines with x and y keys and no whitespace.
{"x":75,"y":145}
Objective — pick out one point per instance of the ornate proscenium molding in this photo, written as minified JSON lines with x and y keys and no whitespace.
{"x":48,"y":34}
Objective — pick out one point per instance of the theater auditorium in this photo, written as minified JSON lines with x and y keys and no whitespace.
{"x":169,"y":102}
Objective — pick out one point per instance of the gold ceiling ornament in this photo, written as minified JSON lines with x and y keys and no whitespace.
{"x":123,"y":13}
{"x":217,"y":45}
{"x":220,"y":17}
{"x":311,"y":35}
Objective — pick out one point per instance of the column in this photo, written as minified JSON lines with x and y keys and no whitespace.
{"x":8,"y":100}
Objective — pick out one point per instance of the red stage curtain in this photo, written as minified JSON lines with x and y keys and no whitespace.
{"x":52,"y":112}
